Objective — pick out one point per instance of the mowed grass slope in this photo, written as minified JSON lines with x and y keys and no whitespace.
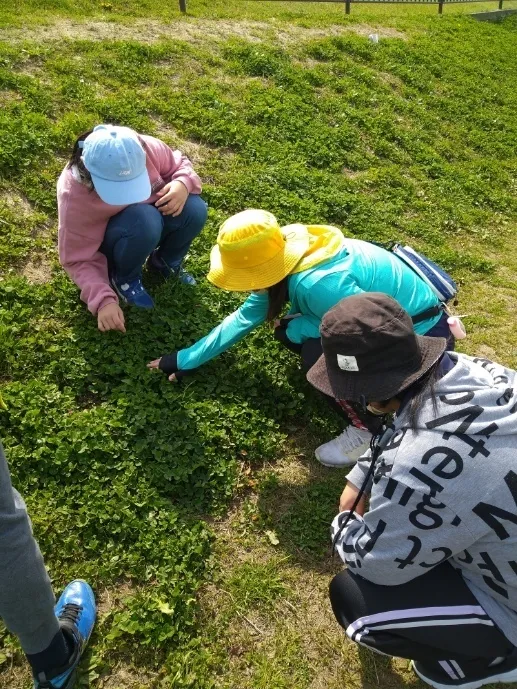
{"x":197,"y":512}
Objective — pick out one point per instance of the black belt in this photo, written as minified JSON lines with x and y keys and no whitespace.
{"x":428,"y":313}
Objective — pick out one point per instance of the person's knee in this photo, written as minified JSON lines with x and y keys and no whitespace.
{"x":147,"y":220}
{"x":343,"y":595}
{"x":196,"y":211}
{"x":311,"y":352}
{"x":339,"y":585}
{"x":141,"y":219}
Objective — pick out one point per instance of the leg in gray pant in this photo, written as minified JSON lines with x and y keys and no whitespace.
{"x":53,"y":636}
{"x":26,"y":597}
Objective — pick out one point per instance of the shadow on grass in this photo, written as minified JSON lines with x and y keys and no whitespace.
{"x":298,"y":501}
{"x":378,"y":671}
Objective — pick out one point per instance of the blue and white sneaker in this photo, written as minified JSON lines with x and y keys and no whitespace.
{"x":76,"y":611}
{"x":157,"y":263}
{"x":134,"y":293}
{"x":184,"y":277}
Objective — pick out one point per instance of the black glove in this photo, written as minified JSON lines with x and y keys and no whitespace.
{"x":285,"y":320}
{"x":169,"y":364}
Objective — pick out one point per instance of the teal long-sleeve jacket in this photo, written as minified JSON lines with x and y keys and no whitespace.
{"x":358,"y":267}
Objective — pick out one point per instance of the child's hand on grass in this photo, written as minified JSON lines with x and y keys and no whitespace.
{"x":156,"y":364}
{"x":169,"y":365}
{"x":111,"y":317}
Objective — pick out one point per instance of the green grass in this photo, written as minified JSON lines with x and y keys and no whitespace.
{"x":197,"y":512}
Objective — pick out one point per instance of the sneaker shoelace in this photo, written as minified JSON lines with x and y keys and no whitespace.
{"x":350,"y":439}
{"x":70,"y":616}
{"x":71,"y":613}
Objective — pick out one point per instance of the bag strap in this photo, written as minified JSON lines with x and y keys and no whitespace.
{"x":428,"y":313}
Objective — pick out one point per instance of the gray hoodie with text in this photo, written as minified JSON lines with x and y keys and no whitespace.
{"x":447,"y":491}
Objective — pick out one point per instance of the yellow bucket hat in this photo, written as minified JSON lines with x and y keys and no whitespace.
{"x":253,"y":252}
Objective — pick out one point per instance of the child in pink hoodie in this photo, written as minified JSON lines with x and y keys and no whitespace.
{"x":124,"y":198}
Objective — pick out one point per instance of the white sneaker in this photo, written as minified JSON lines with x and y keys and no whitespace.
{"x":344,"y":450}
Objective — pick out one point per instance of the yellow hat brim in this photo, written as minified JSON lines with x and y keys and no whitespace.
{"x":266,"y":274}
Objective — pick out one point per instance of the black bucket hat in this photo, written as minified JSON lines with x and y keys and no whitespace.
{"x":370,"y":350}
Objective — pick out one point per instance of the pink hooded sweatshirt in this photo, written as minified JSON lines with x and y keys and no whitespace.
{"x":83,"y":218}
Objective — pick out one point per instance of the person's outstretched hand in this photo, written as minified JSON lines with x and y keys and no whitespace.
{"x":156,"y":364}
{"x":111,"y":317}
{"x":169,"y":365}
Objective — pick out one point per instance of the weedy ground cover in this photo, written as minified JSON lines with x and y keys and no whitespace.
{"x":197,"y":512}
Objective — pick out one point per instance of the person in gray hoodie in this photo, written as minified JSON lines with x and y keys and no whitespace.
{"x":432,"y":563}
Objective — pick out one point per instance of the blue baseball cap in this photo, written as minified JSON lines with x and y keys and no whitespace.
{"x":115,"y":159}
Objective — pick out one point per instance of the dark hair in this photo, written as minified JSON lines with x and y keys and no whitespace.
{"x":421,"y":390}
{"x":75,"y":161}
{"x":277,"y":295}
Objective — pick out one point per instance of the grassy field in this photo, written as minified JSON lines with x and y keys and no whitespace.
{"x":198,"y":512}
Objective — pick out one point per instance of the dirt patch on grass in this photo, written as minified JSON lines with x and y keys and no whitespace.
{"x":7,"y":97}
{"x":361,"y":29}
{"x":14,"y":676}
{"x":15,"y":202}
{"x":391,"y":80}
{"x":37,"y":272}
{"x":110,"y":598}
{"x":128,"y":677}
{"x":353,"y":174}
{"x":192,"y":30}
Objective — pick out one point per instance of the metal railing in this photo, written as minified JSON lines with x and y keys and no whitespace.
{"x":440,"y":3}
{"x":348,"y":3}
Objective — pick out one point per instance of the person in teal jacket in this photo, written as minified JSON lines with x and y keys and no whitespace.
{"x":312,"y":267}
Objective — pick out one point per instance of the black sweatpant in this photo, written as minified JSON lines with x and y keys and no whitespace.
{"x":434,"y":619}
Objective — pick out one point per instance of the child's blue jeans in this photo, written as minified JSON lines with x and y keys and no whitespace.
{"x":134,"y":233}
